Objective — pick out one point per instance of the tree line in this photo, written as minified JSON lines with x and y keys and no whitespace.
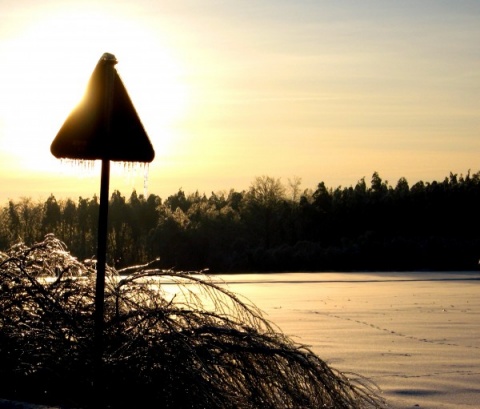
{"x":271,"y":226}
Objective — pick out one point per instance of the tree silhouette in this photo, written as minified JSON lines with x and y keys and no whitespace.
{"x":430,"y":225}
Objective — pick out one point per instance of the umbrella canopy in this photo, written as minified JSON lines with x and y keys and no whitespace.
{"x":105,"y":124}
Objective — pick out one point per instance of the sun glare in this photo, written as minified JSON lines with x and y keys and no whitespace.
{"x":45,"y":70}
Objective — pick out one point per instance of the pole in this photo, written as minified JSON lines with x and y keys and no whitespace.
{"x":100,"y":282}
{"x":98,"y":385}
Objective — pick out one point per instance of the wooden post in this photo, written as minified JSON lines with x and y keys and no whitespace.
{"x":109,"y":61}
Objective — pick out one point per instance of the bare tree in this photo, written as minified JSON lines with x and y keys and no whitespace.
{"x":294,"y":187}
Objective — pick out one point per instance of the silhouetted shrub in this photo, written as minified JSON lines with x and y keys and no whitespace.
{"x":172,"y":340}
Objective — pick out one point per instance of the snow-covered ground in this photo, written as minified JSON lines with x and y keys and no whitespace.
{"x":417,"y":335}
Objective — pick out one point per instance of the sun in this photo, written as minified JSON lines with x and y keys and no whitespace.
{"x":46,"y":68}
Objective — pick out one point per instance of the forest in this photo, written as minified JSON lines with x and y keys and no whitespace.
{"x":271,"y":226}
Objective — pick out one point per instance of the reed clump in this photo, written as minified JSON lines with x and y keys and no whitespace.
{"x":171,"y":340}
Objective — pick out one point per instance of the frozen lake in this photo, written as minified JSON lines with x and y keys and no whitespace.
{"x":417,"y":335}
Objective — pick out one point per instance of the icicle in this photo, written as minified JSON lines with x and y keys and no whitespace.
{"x":81,"y":167}
{"x":131,"y":171}
{"x":145,"y":179}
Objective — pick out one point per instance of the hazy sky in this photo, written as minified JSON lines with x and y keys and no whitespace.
{"x":229,"y":90}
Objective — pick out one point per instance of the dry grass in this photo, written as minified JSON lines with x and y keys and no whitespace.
{"x":192,"y":345}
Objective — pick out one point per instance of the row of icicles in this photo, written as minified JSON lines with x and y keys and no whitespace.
{"x":88,"y":168}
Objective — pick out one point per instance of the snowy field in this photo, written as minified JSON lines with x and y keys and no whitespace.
{"x":416,"y":335}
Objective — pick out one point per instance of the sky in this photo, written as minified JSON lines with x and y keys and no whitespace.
{"x":324,"y":91}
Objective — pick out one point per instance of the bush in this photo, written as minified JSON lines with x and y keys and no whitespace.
{"x":171,"y":340}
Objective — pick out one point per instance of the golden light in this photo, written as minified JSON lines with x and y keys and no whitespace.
{"x":45,"y":70}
